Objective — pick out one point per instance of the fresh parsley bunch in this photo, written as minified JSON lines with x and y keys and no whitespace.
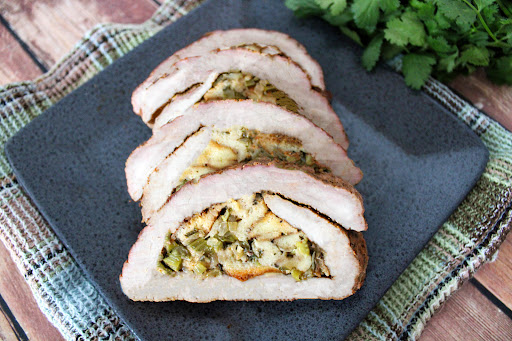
{"x":439,"y":37}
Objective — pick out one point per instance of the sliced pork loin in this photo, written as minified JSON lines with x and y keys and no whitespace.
{"x":272,"y":42}
{"x":324,"y":192}
{"x":191,"y":74}
{"x":290,"y":252}
{"x":175,"y":147}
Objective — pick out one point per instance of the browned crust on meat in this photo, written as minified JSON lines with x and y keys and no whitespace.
{"x":358,"y":245}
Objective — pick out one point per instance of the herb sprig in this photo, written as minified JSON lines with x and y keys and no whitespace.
{"x":435,"y":37}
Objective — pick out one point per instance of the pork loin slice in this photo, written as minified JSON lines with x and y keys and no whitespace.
{"x":264,"y":117}
{"x":279,"y":71}
{"x":345,"y":256}
{"x":222,"y":115}
{"x":235,"y":37}
{"x":325,"y":193}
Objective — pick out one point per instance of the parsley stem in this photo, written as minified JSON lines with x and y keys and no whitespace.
{"x":484,"y":24}
{"x":504,"y":9}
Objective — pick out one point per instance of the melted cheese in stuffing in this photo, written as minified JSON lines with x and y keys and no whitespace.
{"x":243,"y":239}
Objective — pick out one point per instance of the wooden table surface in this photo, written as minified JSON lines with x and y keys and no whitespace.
{"x":34,"y":35}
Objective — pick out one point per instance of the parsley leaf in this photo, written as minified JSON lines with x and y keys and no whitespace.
{"x":416,"y":69}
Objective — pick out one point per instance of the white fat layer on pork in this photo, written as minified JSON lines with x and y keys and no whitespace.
{"x":281,"y":72}
{"x":221,"y":115}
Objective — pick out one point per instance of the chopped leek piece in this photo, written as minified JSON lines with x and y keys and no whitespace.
{"x":170,"y":245}
{"x":297,"y":274}
{"x":199,"y":268}
{"x":213,"y":273}
{"x":226,"y":215}
{"x":163,"y":269}
{"x":250,"y":82}
{"x":232,"y":225}
{"x":173,"y":261}
{"x":191,"y":232}
{"x":199,"y":245}
{"x":228,"y":237}
{"x":214,"y":244}
{"x":303,"y":248}
{"x":294,"y":158}
{"x":181,"y":251}
{"x":309,"y":160}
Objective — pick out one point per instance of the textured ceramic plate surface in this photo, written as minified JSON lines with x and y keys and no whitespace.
{"x":418,"y":161}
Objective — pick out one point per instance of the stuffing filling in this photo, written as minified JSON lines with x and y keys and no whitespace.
{"x":242,"y":239}
{"x":239,"y":85}
{"x":239,"y":144}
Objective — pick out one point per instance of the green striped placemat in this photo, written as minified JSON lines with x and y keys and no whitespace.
{"x":469,"y":238}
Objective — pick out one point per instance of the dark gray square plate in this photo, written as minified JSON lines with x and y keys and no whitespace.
{"x":419,"y":162}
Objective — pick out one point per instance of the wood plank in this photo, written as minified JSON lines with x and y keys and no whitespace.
{"x":52,"y":27}
{"x":16,"y":293}
{"x":16,"y":63}
{"x":497,"y":276}
{"x":468,"y":315}
{"x":493,"y":99}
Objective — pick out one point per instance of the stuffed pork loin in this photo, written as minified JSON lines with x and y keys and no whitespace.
{"x":265,"y":41}
{"x":252,"y":232}
{"x":235,"y":74}
{"x":215,"y":135}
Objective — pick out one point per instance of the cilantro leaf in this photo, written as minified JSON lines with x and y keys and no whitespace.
{"x":481,"y":4}
{"x":479,"y":38}
{"x":425,"y":10}
{"x":417,"y":68}
{"x":406,"y":29}
{"x":445,"y":37}
{"x":500,"y":72}
{"x":475,"y":55}
{"x":366,"y":14}
{"x":335,"y":7}
{"x":389,"y":6}
{"x":457,"y":10}
{"x":303,"y":8}
{"x":352,"y":35}
{"x":448,"y":63}
{"x":439,"y":44}
{"x":372,"y":52}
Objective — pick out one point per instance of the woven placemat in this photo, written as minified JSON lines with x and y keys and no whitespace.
{"x":468,"y":239}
